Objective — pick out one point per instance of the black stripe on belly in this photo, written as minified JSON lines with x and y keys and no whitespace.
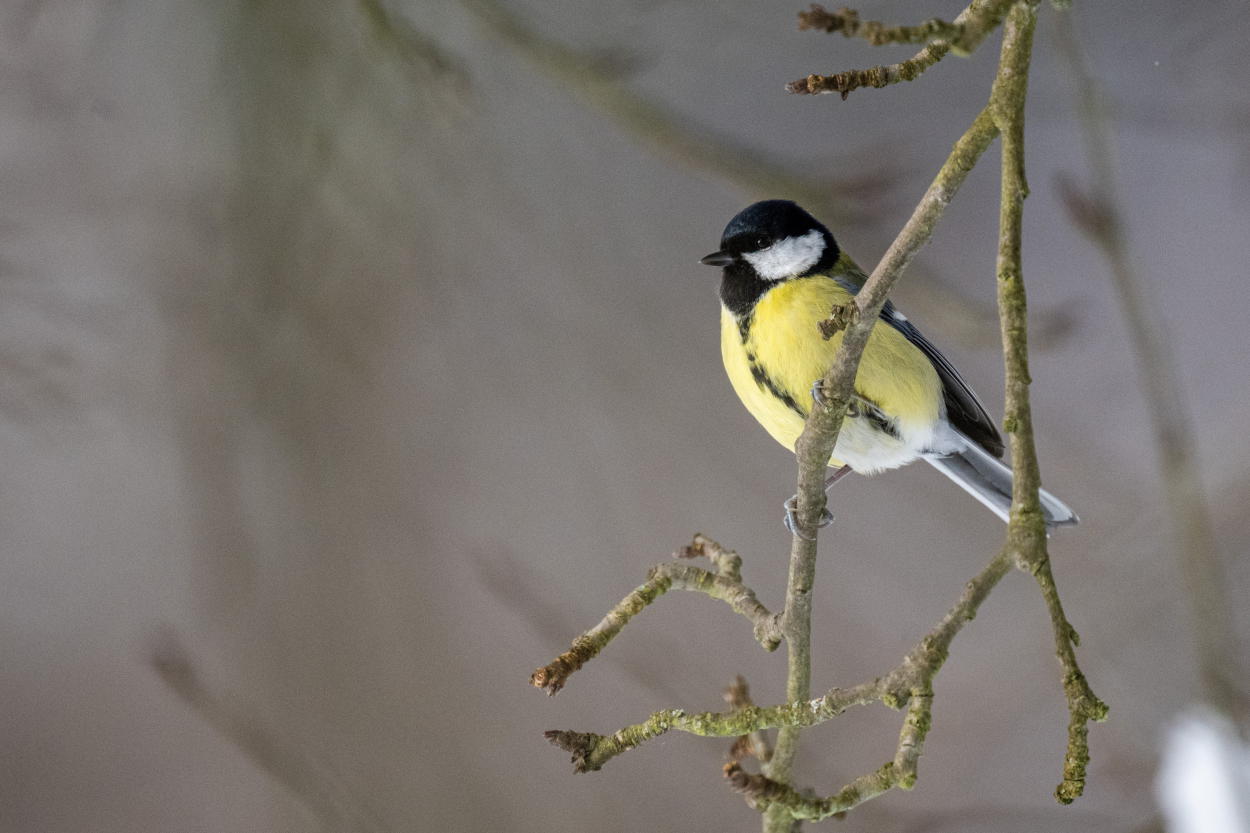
{"x":744,"y":328}
{"x":766,"y":382}
{"x":862,"y":406}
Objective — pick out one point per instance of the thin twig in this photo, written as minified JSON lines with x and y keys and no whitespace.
{"x":722,"y":582}
{"x":844,"y":83}
{"x":962,"y":37}
{"x":766,"y":794}
{"x":725,"y":562}
{"x":908,"y":685}
{"x":849,"y":23}
{"x":754,"y":744}
{"x":321,"y":790}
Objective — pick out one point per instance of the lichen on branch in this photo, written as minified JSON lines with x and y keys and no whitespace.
{"x":723,"y":582}
{"x":962,"y":37}
{"x":1026,"y":532}
{"x":849,"y":23}
{"x":908,"y":686}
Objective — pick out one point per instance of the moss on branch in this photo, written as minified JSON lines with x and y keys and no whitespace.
{"x":1026,"y":533}
{"x":962,"y":37}
{"x":722,"y":582}
{"x":849,"y":23}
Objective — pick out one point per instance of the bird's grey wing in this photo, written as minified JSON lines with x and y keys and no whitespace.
{"x":963,"y":408}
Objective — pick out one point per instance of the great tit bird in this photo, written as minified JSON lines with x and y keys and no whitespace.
{"x":784,"y":273}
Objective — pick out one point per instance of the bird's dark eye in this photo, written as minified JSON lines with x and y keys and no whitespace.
{"x":760,"y":242}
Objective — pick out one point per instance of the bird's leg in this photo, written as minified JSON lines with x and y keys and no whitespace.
{"x":826,"y":517}
{"x":792,"y":505}
{"x":818,"y":396}
{"x":837,"y":475}
{"x":791,"y":520}
{"x":818,"y":393}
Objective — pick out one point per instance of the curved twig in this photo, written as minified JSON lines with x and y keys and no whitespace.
{"x":723,"y":581}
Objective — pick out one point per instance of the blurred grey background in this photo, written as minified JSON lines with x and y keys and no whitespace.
{"x":352,"y":361}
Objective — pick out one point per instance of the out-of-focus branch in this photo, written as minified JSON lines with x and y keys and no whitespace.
{"x":844,"y":202}
{"x":313,"y":784}
{"x":411,"y":44}
{"x":962,"y":37}
{"x":753,"y":744}
{"x":1095,"y":211}
{"x":723,"y":581}
{"x":669,"y":133}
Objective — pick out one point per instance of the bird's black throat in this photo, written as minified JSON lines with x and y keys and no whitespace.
{"x":740,"y":288}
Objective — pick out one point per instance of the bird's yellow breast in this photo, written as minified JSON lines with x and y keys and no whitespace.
{"x":775,"y":355}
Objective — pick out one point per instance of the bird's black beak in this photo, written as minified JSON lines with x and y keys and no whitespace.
{"x":717,"y":259}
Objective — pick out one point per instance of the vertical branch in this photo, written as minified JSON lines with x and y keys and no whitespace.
{"x":1026,"y":533}
{"x":1007,"y":105}
{"x":815,"y":445}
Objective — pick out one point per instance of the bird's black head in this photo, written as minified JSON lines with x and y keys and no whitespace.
{"x":769,"y":242}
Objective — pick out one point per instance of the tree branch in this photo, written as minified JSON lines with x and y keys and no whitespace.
{"x":1026,"y":532}
{"x":766,"y":794}
{"x":754,"y":744}
{"x":723,"y":582}
{"x":848,"y":22}
{"x":815,"y":445}
{"x":312,"y":781}
{"x":668,"y":133}
{"x":962,"y":37}
{"x":909,"y":684}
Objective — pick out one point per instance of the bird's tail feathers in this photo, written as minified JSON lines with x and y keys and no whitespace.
{"x":988,"y":480}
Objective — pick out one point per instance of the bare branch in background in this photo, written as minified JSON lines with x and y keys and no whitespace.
{"x":847,"y":203}
{"x":669,"y":133}
{"x":318,"y":788}
{"x":753,"y":744}
{"x":1096,"y":212}
{"x":414,"y":46}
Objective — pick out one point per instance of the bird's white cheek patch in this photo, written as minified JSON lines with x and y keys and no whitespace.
{"x":787,"y":257}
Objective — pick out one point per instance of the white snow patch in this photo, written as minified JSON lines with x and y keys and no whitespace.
{"x":1203,"y":783}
